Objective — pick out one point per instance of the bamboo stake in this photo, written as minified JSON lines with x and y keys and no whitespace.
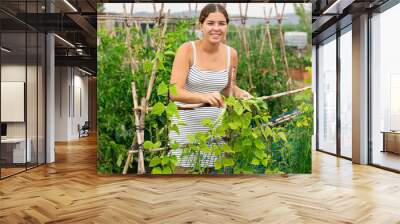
{"x":267,"y":35}
{"x":245,"y":44}
{"x":140,"y":141}
{"x":141,"y":168}
{"x":198,"y":105}
{"x":149,"y":150}
{"x":124,"y":10}
{"x":284,"y":93}
{"x":128,"y":160}
{"x":274,"y":67}
{"x":132,"y":61}
{"x":282,"y":43}
{"x":155,"y":65}
{"x":232,"y":81}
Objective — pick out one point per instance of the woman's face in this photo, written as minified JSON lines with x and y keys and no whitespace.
{"x":214,"y":27}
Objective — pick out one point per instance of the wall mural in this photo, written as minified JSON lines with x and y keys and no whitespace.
{"x":173,"y":98}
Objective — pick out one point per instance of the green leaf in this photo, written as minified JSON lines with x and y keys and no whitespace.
{"x":282,"y":135}
{"x":220,"y":131}
{"x":246,"y":119}
{"x":217,"y":164}
{"x":172,"y":90}
{"x":228,"y":162}
{"x":207,"y":122}
{"x":175,"y":128}
{"x":156,"y":170}
{"x":156,"y":145}
{"x":175,"y":145}
{"x":166,"y":170}
{"x":169,"y":53}
{"x":216,"y":150}
{"x":119,"y":161}
{"x":265,"y":162}
{"x":148,"y":145}
{"x":227,"y":149}
{"x":255,"y":162}
{"x":204,"y":148}
{"x":238,"y":108}
{"x":171,"y":109}
{"x":234,"y":125}
{"x":162,"y":89}
{"x":246,"y":106}
{"x":190,"y":138}
{"x":247,"y":142}
{"x":230,"y":101}
{"x":165,"y":160}
{"x":158,"y":108}
{"x":181,"y":123}
{"x":155,"y":161}
{"x":259,"y":144}
{"x":267,"y":132}
{"x":147,"y":66}
{"x":237,"y":170}
{"x":260,"y":154}
{"x":173,"y":160}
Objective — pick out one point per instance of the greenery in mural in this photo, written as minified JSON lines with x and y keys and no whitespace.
{"x":253,"y":145}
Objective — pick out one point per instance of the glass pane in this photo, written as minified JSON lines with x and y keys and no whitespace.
{"x":386,"y":89}
{"x":327,"y":97}
{"x":41,"y":98}
{"x":346,"y":94}
{"x":31,"y":96}
{"x":15,"y":151}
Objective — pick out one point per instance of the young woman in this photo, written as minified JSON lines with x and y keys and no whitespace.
{"x":201,"y":72}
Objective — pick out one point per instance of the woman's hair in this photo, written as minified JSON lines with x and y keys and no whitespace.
{"x":210,"y":8}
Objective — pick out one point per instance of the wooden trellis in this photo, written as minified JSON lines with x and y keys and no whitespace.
{"x":139,"y":113}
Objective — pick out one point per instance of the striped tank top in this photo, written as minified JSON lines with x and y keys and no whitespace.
{"x":200,"y":81}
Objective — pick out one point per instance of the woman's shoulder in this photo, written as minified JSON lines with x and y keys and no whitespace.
{"x":233,"y":51}
{"x":185,"y":47}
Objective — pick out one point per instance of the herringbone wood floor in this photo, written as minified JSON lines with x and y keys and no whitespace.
{"x":70,"y":191}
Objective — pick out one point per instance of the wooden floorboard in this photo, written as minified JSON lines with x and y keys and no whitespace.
{"x":70,"y":191}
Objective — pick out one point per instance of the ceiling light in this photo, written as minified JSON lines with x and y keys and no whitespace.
{"x":337,"y":7}
{"x":70,"y":5}
{"x":5,"y":49}
{"x":86,"y":72}
{"x":65,"y":41}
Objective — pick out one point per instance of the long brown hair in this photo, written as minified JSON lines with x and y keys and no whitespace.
{"x":211,"y":8}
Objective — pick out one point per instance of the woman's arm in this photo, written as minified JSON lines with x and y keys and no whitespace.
{"x":179,"y":74}
{"x":236,"y":91}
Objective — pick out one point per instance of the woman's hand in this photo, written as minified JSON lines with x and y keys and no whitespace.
{"x":213,"y":99}
{"x":243,"y":94}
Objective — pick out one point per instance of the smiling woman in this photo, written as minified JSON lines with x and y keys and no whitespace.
{"x":201,"y":72}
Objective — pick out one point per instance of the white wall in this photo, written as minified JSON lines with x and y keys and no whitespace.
{"x":34,"y":124}
{"x":70,"y":83}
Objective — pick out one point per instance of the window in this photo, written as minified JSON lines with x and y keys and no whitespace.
{"x":346,"y":93}
{"x":327,"y":96}
{"x":385,"y":89}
